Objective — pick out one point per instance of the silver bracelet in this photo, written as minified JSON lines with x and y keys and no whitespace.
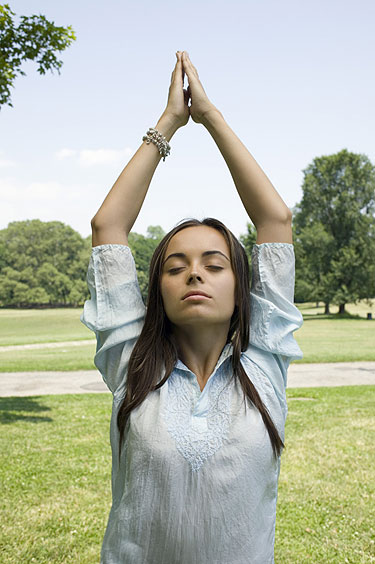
{"x":155,"y":137}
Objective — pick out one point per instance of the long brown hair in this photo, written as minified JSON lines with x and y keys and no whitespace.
{"x":155,"y":348}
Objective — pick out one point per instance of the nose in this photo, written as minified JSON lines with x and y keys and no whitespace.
{"x":194,"y":276}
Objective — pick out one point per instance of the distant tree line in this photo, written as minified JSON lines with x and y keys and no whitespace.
{"x":44,"y":264}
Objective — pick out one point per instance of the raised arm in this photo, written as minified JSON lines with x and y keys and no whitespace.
{"x":116,"y":216}
{"x":266,"y":209}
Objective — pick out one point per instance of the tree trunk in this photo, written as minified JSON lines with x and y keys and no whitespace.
{"x":342,"y":308}
{"x":326,"y":309}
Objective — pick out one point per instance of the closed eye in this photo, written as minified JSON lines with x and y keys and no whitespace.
{"x":175,"y":270}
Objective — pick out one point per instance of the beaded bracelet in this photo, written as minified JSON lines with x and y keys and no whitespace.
{"x":153,"y":136}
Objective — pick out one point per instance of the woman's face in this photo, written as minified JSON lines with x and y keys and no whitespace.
{"x":197,"y":268}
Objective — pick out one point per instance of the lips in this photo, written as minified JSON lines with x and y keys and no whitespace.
{"x":196,"y":293}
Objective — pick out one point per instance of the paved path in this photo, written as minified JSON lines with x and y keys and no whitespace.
{"x":82,"y":382}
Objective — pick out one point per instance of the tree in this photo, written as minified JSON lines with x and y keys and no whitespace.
{"x":42,"y":264}
{"x":35,"y":38}
{"x":248,"y":240}
{"x":313,"y":248}
{"x":142,"y":248}
{"x":334,"y":230}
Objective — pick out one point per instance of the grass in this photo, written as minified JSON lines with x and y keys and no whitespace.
{"x":56,"y":478}
{"x":28,"y":326}
{"x":327,"y":481}
{"x":336,"y":340}
{"x":361,"y":309}
{"x":322,"y":338}
{"x":45,"y":359}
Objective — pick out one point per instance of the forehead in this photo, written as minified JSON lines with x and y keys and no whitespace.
{"x":197,"y":239}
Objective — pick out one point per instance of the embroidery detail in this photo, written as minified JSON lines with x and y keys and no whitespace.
{"x":197,"y":438}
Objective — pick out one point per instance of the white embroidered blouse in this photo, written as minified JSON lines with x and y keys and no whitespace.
{"x":197,"y":480}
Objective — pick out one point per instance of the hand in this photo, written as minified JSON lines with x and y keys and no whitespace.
{"x":177,"y":107}
{"x":200,"y":104}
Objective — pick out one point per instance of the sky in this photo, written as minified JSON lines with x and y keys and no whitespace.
{"x":294,"y":80}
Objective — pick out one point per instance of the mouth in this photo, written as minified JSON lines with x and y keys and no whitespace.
{"x":196,"y":295}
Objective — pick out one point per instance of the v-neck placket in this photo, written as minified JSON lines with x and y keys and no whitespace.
{"x":199,"y":420}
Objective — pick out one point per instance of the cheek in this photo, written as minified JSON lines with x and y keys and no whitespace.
{"x":166,"y":290}
{"x":164,"y":293}
{"x":230,"y":288}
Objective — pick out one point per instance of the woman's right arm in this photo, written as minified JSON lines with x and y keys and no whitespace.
{"x":117,"y":214}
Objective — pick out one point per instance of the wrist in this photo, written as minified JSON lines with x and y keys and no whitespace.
{"x":167,"y":126}
{"x":211,"y":117}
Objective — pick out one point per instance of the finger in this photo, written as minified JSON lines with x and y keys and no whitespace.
{"x":188,"y":65}
{"x":178,"y":62}
{"x":173,"y":75}
{"x":178,"y":73}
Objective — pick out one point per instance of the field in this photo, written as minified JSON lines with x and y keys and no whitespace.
{"x":56,"y":478}
{"x":322,"y":338}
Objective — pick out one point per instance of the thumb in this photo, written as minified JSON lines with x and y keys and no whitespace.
{"x":177,"y":69}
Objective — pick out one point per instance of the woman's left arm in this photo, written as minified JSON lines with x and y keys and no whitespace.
{"x":265,"y":207}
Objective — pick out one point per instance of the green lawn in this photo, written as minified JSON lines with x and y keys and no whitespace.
{"x":361,"y":309}
{"x":336,"y":340}
{"x":45,"y":359}
{"x":56,"y":464}
{"x":27,"y":326}
{"x":322,"y":338}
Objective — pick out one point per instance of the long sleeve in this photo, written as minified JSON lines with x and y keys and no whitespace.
{"x":273,"y":315}
{"x":115,"y":311}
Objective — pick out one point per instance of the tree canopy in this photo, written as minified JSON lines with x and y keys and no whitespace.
{"x":248,"y":239}
{"x":334,"y":230}
{"x":36,"y":39}
{"x":44,"y":264}
{"x":142,"y":249}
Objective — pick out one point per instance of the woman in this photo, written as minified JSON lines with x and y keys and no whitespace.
{"x":198,"y":378}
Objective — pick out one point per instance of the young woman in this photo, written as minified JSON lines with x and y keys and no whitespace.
{"x":199,"y":376}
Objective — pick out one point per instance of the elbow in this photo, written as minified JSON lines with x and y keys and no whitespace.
{"x":95,"y":225}
{"x":288,"y":216}
{"x":283,"y":217}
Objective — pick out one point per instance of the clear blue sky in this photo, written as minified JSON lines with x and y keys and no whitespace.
{"x":293,"y":79}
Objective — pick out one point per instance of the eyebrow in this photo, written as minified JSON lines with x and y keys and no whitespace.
{"x":182,"y":255}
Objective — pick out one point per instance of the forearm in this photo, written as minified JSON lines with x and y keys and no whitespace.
{"x":122,"y":205}
{"x":262,"y":202}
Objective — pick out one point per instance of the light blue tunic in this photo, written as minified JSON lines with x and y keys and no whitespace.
{"x":197,"y":480}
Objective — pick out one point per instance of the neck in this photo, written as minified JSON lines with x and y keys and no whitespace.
{"x":200,"y":349}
